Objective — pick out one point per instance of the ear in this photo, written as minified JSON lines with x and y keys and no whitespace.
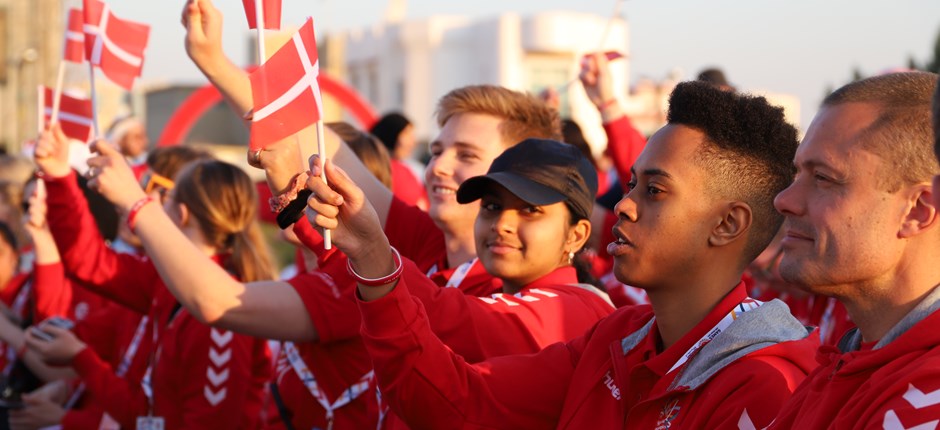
{"x":184,"y":214}
{"x":921,"y":212}
{"x":578,"y":235}
{"x":734,"y":224}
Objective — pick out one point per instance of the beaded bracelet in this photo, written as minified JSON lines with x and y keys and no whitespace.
{"x":376,"y":282}
{"x":135,"y":209}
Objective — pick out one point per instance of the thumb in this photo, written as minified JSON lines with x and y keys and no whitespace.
{"x":102,"y":147}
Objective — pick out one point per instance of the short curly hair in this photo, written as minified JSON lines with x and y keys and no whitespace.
{"x":749,"y":149}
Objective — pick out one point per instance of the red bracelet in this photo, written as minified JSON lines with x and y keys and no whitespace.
{"x":135,"y":209}
{"x":607,"y":104}
{"x":376,"y":282}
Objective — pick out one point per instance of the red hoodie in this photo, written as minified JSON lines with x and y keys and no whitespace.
{"x":894,"y":384}
{"x":202,"y":377}
{"x":611,"y":377}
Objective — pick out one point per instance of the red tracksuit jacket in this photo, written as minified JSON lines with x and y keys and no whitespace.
{"x":203,"y":377}
{"x":109,"y":332}
{"x":611,"y":377}
{"x":894,"y":384}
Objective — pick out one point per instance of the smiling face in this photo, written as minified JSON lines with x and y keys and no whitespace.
{"x":465,"y":148}
{"x":520,"y":242}
{"x":841,"y":223}
{"x":666,"y":216}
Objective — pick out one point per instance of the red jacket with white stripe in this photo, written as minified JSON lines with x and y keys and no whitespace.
{"x":894,"y":384}
{"x":611,"y":377}
{"x":203,"y":377}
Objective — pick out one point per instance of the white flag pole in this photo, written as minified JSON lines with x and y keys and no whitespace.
{"x":321,"y":150}
{"x":94,"y":101}
{"x":41,"y":109}
{"x":259,"y":27}
{"x":57,"y":97}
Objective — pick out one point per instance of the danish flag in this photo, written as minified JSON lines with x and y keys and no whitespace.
{"x":115,"y":45}
{"x":75,"y":114}
{"x":285,"y":90}
{"x":74,"y":39}
{"x":272,"y":14}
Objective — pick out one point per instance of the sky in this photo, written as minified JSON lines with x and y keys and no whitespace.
{"x":799,"y":47}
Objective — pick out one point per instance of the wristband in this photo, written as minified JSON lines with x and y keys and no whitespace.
{"x":607,"y":104}
{"x":135,"y":209}
{"x":294,"y":210}
{"x":279,"y":202}
{"x":376,"y":282}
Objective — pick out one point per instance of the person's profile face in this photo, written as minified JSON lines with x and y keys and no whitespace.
{"x":665,"y":217}
{"x":841,"y":223}
{"x":466,"y":146}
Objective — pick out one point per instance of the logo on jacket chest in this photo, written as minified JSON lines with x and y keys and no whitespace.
{"x":667,"y":414}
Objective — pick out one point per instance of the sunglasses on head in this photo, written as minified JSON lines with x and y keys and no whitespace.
{"x":154,"y":182}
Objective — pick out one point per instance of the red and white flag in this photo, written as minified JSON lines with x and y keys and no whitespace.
{"x":115,"y":45}
{"x":272,"y":14}
{"x":74,"y":39}
{"x":75,"y":114}
{"x":285,"y":90}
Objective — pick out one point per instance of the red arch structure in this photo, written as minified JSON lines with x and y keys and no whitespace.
{"x":203,"y":99}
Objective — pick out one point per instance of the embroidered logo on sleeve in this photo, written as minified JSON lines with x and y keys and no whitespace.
{"x":217,"y":373}
{"x":919,"y":401}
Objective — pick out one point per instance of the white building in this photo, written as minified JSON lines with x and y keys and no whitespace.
{"x":409,"y":65}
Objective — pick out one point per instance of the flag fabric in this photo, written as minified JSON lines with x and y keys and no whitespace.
{"x":272,"y":14}
{"x":285,"y":90}
{"x":115,"y":45}
{"x":75,"y":114}
{"x":74,"y":39}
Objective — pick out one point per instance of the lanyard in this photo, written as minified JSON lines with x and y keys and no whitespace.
{"x":146,"y":382}
{"x":748,"y":304}
{"x":132,"y":348}
{"x":310,"y":381}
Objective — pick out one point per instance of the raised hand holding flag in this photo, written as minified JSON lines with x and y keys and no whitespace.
{"x":287,"y":97}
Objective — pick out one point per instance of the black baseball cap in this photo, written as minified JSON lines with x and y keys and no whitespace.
{"x":540,"y":172}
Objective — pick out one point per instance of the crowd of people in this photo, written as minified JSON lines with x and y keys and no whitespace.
{"x":721,"y":274}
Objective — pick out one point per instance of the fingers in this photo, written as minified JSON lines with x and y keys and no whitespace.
{"x":36,"y":343}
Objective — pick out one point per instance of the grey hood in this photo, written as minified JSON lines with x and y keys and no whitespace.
{"x":752,"y":331}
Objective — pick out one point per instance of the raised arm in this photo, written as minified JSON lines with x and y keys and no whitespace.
{"x":264,"y":309}
{"x":624,"y":142}
{"x":281,"y":161}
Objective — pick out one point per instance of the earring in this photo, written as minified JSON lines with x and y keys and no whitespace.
{"x":570,"y":257}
